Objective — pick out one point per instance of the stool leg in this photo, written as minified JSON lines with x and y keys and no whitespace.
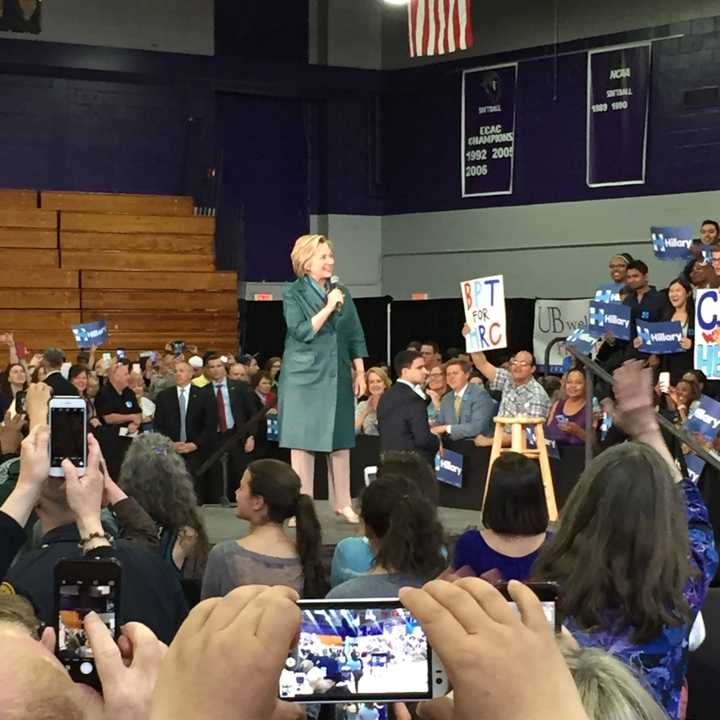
{"x":518,"y":438}
{"x":546,"y":472}
{"x":494,"y":455}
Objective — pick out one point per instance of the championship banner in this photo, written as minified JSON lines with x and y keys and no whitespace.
{"x":448,"y":468}
{"x":484,"y":304}
{"x":556,"y":318}
{"x":610,"y":318}
{"x":672,"y":243}
{"x":488,"y":130}
{"x":660,"y":338}
{"x":92,"y":334}
{"x":707,"y":333}
{"x":617,"y":111}
{"x":609,"y":293}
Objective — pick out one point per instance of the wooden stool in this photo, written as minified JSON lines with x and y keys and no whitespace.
{"x":518,"y":444}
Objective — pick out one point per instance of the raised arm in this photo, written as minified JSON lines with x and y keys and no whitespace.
{"x":484,"y":365}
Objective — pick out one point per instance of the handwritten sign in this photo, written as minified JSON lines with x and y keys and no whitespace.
{"x":484,"y":304}
{"x":707,"y":333}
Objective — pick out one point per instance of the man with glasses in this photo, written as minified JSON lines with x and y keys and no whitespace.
{"x":521,"y":393}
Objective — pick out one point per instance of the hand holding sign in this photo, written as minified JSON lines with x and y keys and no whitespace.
{"x":484,"y":304}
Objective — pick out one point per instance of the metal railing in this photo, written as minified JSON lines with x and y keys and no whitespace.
{"x":592,"y":370}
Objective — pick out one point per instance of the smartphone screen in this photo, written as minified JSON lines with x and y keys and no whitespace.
{"x":364,"y":650}
{"x":67,"y":435}
{"x":82,"y":586}
{"x":20,"y":401}
{"x":547,"y":593}
{"x":120,"y":353}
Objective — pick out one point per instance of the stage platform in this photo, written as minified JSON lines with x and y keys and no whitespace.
{"x":222,"y":524}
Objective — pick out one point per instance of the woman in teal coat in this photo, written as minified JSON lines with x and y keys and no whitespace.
{"x":323,"y":344}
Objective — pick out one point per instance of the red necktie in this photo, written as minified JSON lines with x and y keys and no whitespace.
{"x":222,"y":420}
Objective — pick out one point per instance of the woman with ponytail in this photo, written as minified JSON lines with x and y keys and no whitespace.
{"x":268,"y":495}
{"x":405,"y":536}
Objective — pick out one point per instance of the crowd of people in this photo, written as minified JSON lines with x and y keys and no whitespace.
{"x":633,"y":554}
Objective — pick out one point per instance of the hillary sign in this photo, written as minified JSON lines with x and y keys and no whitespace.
{"x":92,"y":334}
{"x":707,"y":333}
{"x":672,"y":243}
{"x":609,"y":318}
{"x":660,"y":338}
{"x":484,"y":304}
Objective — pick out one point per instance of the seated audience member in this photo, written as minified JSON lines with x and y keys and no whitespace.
{"x":12,"y":381}
{"x":682,"y":400}
{"x":402,"y":416}
{"x":515,"y":520}
{"x":165,"y":375}
{"x":702,"y":275}
{"x":645,"y":303}
{"x":404,"y":535}
{"x":273,"y":366}
{"x":262,"y":384}
{"x":366,"y":422}
{"x":566,"y":422}
{"x":156,"y":477}
{"x":634,"y":553}
{"x":709,"y":231}
{"x":147,"y":406}
{"x":430,"y":351}
{"x":353,"y":556}
{"x":436,"y":389}
{"x":53,"y":359}
{"x":269,"y":493}
{"x":120,"y":415}
{"x":468,"y":410}
{"x":680,"y":308}
{"x":237,"y":371}
{"x":521,"y":393}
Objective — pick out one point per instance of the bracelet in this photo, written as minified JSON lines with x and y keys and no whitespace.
{"x":95,"y":536}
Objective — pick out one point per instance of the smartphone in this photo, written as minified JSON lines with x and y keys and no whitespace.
{"x":664,"y":381}
{"x":369,"y":650}
{"x":136,"y":368}
{"x":120,"y":353}
{"x":560,"y":418}
{"x":21,"y":349}
{"x":68,"y":435}
{"x":83,"y":585}
{"x":370,"y":474}
{"x":106,"y":359}
{"x":153,"y":357}
{"x":20,"y":396}
{"x":178,"y":346}
{"x":547,"y":593}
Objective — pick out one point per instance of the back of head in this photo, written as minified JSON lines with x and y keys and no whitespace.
{"x":402,"y":526}
{"x":515,"y":502}
{"x":156,"y":476}
{"x":279,"y":486}
{"x":404,"y":359}
{"x":608,"y":688}
{"x":412,"y":465}
{"x":621,"y":550}
{"x":54,"y":358}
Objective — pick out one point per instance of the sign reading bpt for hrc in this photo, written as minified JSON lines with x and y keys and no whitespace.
{"x":484,"y":303}
{"x":707,"y":333}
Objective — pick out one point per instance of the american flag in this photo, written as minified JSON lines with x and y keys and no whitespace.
{"x":436,"y":27}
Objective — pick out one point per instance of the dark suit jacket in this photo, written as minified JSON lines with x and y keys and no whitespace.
{"x":167,"y":414}
{"x":242,"y":404}
{"x":403,"y":422}
{"x":60,"y":386}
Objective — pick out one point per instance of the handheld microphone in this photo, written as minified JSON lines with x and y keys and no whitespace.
{"x":334,"y":282}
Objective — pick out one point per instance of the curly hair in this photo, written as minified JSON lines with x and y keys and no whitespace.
{"x":156,"y":476}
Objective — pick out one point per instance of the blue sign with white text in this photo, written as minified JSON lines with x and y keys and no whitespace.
{"x":672,"y":243}
{"x":581,"y":340}
{"x":605,"y":318}
{"x":273,"y":432}
{"x":609,"y":293}
{"x":660,"y":338}
{"x":92,"y":334}
{"x":705,"y":420}
{"x":448,"y":468}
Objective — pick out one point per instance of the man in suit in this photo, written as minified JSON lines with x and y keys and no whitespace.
{"x":229,"y":405}
{"x":402,"y":414}
{"x":53,"y":358}
{"x":467,"y":411}
{"x":180,"y":415}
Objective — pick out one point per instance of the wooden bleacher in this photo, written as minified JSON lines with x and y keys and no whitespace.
{"x":142,"y":263}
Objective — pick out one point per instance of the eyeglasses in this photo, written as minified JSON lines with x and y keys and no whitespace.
{"x":521,"y":363}
{"x":616,"y":266}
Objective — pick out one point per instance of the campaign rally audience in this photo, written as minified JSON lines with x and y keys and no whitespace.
{"x":238,"y":371}
{"x":262,"y":383}
{"x":12,"y":381}
{"x":468,"y":410}
{"x":709,"y":231}
{"x":366,"y":422}
{"x":680,"y":308}
{"x":147,"y":406}
{"x":683,"y":399}
{"x":53,"y":359}
{"x":435,"y":390}
{"x":273,"y":366}
{"x":618,"y":266}
{"x":645,"y":303}
{"x":515,"y":521}
{"x":566,"y":422}
{"x":268,"y":495}
{"x":430,"y":351}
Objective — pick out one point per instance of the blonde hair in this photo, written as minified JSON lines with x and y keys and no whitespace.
{"x":609,"y":689}
{"x":135,"y":380}
{"x":304,"y":248}
{"x":381,"y":374}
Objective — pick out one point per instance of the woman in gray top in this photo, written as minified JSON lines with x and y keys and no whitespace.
{"x":405,"y":535}
{"x":269,"y":493}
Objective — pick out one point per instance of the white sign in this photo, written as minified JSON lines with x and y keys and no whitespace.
{"x":707,"y":333}
{"x":484,"y":303}
{"x":556,"y":318}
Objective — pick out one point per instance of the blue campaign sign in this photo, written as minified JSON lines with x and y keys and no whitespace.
{"x":609,"y":293}
{"x":660,"y":338}
{"x":90,"y":334}
{"x":581,"y":340}
{"x":550,"y":444}
{"x":695,"y":466}
{"x":705,"y":420}
{"x":273,"y":432}
{"x":672,"y":243}
{"x":448,"y":468}
{"x":610,"y":318}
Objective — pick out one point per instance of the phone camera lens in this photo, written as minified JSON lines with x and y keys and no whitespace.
{"x":438,"y":681}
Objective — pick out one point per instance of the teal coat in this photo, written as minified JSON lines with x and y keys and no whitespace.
{"x":316,"y":405}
